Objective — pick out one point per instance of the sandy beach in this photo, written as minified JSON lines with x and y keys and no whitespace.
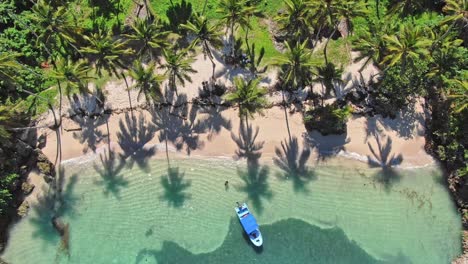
{"x":212,"y":131}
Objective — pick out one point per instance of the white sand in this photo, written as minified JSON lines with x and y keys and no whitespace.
{"x":406,"y":132}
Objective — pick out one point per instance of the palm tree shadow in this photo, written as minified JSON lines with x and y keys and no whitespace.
{"x":179,"y":125}
{"x":293,"y":163}
{"x":134,"y":134}
{"x":174,"y":187}
{"x":215,"y":120}
{"x":83,"y":111}
{"x":55,"y":201}
{"x":247,"y":147}
{"x":109,"y":170}
{"x":384,"y":159}
{"x":255,"y":184}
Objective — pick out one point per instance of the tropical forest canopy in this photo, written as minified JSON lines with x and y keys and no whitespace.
{"x":53,"y":48}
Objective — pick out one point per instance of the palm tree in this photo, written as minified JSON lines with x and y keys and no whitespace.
{"x":458,"y":92}
{"x":248,"y":96}
{"x":295,"y":20}
{"x":146,"y":81}
{"x":148,"y":34}
{"x":457,"y":14}
{"x":406,"y":7}
{"x":178,"y":67}
{"x":206,"y":35}
{"x":55,"y":26}
{"x":348,"y":9}
{"x":106,"y":54}
{"x":8,"y":66}
{"x":457,"y":11}
{"x":296,"y":65}
{"x":406,"y":46}
{"x":371,"y":47}
{"x":73,"y":75}
{"x":255,"y":61}
{"x":328,"y":75}
{"x":235,"y":12}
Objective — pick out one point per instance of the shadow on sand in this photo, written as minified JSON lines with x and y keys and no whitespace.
{"x":85,"y":112}
{"x":175,"y":187}
{"x":109,"y":170}
{"x":255,"y":178}
{"x":293,"y":163}
{"x":179,"y":125}
{"x":134,"y":134}
{"x":383,"y":158}
{"x":327,"y":146}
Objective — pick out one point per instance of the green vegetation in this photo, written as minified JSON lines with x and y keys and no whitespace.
{"x":49,"y":50}
{"x":330,"y":119}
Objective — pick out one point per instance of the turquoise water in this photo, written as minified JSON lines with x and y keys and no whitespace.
{"x":341,"y":212}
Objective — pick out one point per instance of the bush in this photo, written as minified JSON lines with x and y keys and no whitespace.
{"x":329,"y":119}
{"x":398,"y":87}
{"x":7,"y":185}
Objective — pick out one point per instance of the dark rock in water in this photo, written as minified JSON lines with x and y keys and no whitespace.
{"x":23,"y":209}
{"x":64,"y":230}
{"x":27,"y":188}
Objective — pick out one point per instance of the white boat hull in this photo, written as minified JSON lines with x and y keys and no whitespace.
{"x":254,"y":234}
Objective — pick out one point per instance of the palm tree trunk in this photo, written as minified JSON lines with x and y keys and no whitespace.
{"x":326,"y":44}
{"x":231,"y":39}
{"x":128,"y":92}
{"x":377,"y":4}
{"x":286,"y":116}
{"x":210,"y":56}
{"x":204,"y":7}
{"x":323,"y":92}
{"x":108,"y":134}
{"x":167,"y":152}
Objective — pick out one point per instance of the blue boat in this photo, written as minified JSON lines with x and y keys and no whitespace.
{"x":249,"y":224}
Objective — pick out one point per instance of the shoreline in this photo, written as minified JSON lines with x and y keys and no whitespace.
{"x":385,"y":146}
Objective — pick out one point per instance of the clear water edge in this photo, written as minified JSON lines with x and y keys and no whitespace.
{"x":415,"y":218}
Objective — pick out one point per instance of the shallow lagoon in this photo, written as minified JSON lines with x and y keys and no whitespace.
{"x":339,"y":211}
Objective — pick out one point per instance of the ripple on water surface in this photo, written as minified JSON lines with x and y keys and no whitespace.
{"x":182,"y":214}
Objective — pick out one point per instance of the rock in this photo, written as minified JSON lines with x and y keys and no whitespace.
{"x":44,"y":168}
{"x":23,"y":170}
{"x":23,"y":149}
{"x":27,"y":188}
{"x":23,"y":209}
{"x":42,"y":140}
{"x":41,"y":156}
{"x":3,"y":262}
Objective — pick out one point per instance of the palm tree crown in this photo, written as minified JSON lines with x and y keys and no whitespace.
{"x":249,"y":96}
{"x":149,"y":34}
{"x":146,"y":81}
{"x":235,"y":12}
{"x":178,"y":67}
{"x":296,"y":65}
{"x":73,"y":75}
{"x":106,"y":52}
{"x":206,"y":34}
{"x":409,"y":45}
